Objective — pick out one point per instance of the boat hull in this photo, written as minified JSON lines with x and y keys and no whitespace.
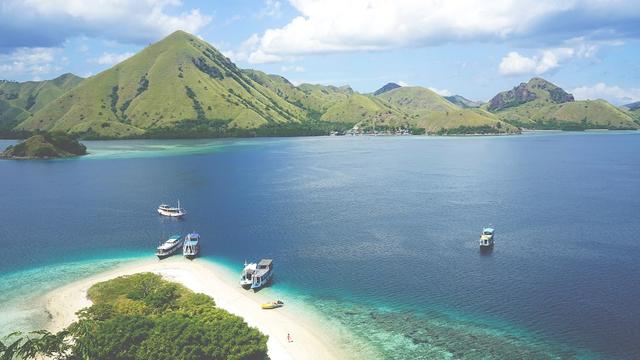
{"x":169,"y":252}
{"x":266,"y":280}
{"x":170,"y":214}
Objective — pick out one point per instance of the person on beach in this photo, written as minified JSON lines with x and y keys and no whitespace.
{"x":289,"y":338}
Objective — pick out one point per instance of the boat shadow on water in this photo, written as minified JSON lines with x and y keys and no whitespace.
{"x":270,"y":283}
{"x":486,"y":250}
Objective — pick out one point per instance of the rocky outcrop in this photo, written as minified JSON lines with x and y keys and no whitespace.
{"x":536,"y":88}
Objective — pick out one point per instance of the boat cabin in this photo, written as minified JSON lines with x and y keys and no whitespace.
{"x":262,"y":274}
{"x":486,"y":239}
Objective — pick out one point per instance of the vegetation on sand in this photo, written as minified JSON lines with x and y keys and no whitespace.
{"x":142,"y":316}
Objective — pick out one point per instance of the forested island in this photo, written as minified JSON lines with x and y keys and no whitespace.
{"x":45,"y":146}
{"x":142,"y":316}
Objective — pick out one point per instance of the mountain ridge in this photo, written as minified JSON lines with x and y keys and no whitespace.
{"x":182,"y":86}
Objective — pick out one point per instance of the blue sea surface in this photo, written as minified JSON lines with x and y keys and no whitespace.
{"x":379,"y":234}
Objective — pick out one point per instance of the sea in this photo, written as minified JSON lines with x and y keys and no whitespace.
{"x":377,"y":234}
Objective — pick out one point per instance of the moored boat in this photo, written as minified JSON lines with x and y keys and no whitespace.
{"x":246,"y":279}
{"x":272,"y":305}
{"x":191,"y":246}
{"x":170,"y":211}
{"x":263,"y":274}
{"x":169,"y":247}
{"x":486,"y":239}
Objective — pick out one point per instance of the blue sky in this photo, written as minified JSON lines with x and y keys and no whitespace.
{"x":468,"y":47}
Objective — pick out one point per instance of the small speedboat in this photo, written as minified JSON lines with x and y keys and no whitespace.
{"x":486,"y":238}
{"x":191,"y":246}
{"x":272,"y":305}
{"x":170,"y":211}
{"x":169,"y":247}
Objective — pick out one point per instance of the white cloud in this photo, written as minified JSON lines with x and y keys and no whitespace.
{"x":441,"y":92}
{"x":29,"y":62}
{"x":292,"y":68}
{"x":111,"y":58}
{"x":272,"y":8}
{"x":402,"y":83}
{"x":365,"y":25}
{"x":549,"y":59}
{"x":45,"y":23}
{"x":611,"y":93}
{"x":244,"y":50}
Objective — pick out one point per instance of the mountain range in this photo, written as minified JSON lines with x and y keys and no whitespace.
{"x":182,"y":86}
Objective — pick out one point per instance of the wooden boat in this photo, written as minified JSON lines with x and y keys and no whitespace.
{"x":262,"y":275}
{"x":169,"y":247}
{"x":166,"y":210}
{"x":246,"y":279}
{"x":272,"y":305}
{"x":486,"y":239}
{"x":191,"y":246}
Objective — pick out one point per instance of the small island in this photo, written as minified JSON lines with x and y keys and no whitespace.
{"x":45,"y":146}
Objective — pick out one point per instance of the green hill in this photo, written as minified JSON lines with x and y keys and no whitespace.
{"x":430,"y":111}
{"x":539,"y":104}
{"x":19,"y":100}
{"x":463,"y":102}
{"x":180,"y":86}
{"x":337,"y":105}
{"x":386,"y":87}
{"x":183,"y":87}
{"x":633,"y":110}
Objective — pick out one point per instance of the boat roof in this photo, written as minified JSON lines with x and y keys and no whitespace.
{"x":175,"y":237}
{"x":488,"y":229}
{"x":265,"y":262}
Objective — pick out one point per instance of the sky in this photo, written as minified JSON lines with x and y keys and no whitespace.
{"x":475,"y":48}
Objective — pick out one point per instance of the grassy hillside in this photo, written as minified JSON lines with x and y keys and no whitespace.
{"x":19,"y":100}
{"x":578,"y":115}
{"x":338,"y":105}
{"x":539,"y":104}
{"x":463,"y":102}
{"x":178,"y":86}
{"x":430,"y":111}
{"x":632,"y":110}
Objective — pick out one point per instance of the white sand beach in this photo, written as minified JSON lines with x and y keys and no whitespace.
{"x":216,"y":281}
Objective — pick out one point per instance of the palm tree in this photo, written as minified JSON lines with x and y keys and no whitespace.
{"x":36,"y":344}
{"x":8,"y":352}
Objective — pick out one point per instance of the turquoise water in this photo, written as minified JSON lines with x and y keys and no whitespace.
{"x":378,"y":234}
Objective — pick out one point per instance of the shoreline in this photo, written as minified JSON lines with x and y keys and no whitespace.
{"x":309,"y":340}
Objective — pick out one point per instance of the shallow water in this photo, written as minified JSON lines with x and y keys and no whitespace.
{"x":377,"y":233}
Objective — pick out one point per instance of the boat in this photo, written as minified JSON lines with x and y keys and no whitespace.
{"x":169,"y":247}
{"x":486,"y":239}
{"x":272,"y":305}
{"x":191,"y":246}
{"x":262,"y":275}
{"x":246,"y":279}
{"x":170,"y":211}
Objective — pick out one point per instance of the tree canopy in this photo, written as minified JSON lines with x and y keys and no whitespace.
{"x":142,"y":316}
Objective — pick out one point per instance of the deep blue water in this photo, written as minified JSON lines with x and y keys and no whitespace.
{"x":379,"y":233}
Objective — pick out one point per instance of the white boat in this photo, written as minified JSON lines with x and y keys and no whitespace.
{"x":191,"y":246}
{"x":166,"y":210}
{"x":262,"y":275}
{"x":246,"y":279}
{"x":169,"y":247}
{"x":486,"y":239}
